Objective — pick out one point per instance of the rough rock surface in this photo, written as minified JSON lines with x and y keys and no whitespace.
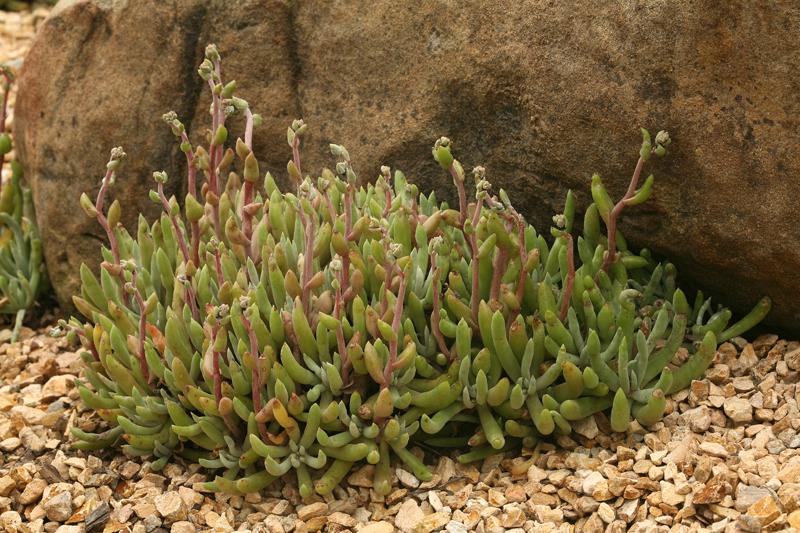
{"x":539,"y":94}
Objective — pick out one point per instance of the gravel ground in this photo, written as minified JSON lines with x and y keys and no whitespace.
{"x":724,"y":459}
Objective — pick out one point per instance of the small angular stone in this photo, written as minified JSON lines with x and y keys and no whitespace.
{"x":33,"y":491}
{"x":407,"y":478}
{"x":764,"y":511}
{"x":714,"y":449}
{"x":59,"y":507}
{"x":496,"y":498}
{"x":7,"y":484}
{"x":362,"y":477}
{"x":738,"y":409}
{"x":182,"y":527}
{"x":408,"y":516}
{"x":313,"y":510}
{"x":627,"y":511}
{"x":513,"y":517}
{"x":591,"y":482}
{"x":341,"y":519}
{"x":377,"y":527}
{"x":9,"y":445}
{"x":586,"y":427}
{"x":431,"y":522}
{"x":455,"y":527}
{"x":171,"y":507}
{"x":606,"y":513}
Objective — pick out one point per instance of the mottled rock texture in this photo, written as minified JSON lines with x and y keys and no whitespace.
{"x":541,"y":94}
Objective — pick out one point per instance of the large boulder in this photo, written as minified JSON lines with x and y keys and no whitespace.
{"x":541,"y":94}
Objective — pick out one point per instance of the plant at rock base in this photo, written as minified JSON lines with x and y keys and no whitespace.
{"x":22,"y":274}
{"x":264,"y":331}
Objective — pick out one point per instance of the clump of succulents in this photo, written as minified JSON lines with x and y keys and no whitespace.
{"x":263,"y":331}
{"x":22,"y":273}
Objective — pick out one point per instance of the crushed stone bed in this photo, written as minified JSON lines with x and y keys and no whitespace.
{"x":724,"y":458}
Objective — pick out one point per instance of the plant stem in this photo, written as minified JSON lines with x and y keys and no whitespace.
{"x":181,"y":238}
{"x":142,"y":329}
{"x":176,"y":229}
{"x":462,"y":196}
{"x":398,"y":311}
{"x":348,"y":226}
{"x":523,"y":258}
{"x":497,"y":276}
{"x":112,"y":238}
{"x":475,"y":297}
{"x":570,"y":281}
{"x":90,"y":342}
{"x":192,"y":173}
{"x":340,"y":342}
{"x":218,"y":261}
{"x":611,"y":254}
{"x":308,"y":265}
{"x":256,"y":378}
{"x":213,"y":180}
{"x":437,"y":291}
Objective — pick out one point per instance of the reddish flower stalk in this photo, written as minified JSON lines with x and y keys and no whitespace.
{"x":308,"y":264}
{"x":112,"y":238}
{"x":523,"y":258}
{"x":90,"y":342}
{"x":337,"y":314}
{"x":462,"y":196}
{"x":296,"y":158}
{"x":387,"y":276}
{"x":476,"y":297}
{"x":398,"y":311}
{"x":414,"y":210}
{"x":348,"y":227}
{"x":192,"y":172}
{"x":437,"y":290}
{"x":300,"y":193}
{"x":142,"y":330}
{"x":569,"y":282}
{"x":388,"y":203}
{"x":179,"y":236}
{"x":256,"y":379}
{"x":176,"y":229}
{"x":611,"y":254}
{"x":497,"y":276}
{"x":215,"y":153}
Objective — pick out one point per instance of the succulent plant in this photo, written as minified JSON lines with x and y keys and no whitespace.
{"x":264,"y":331}
{"x":22,"y":273}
